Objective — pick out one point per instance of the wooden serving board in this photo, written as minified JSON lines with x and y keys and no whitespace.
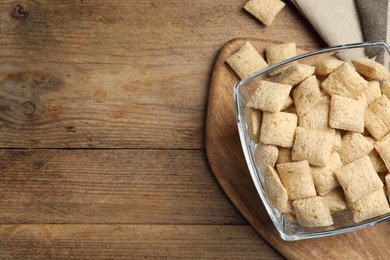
{"x":228,"y":164}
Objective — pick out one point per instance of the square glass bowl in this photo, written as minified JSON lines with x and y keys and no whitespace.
{"x":243,"y":90}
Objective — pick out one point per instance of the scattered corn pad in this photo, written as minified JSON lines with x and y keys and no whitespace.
{"x":275,"y":191}
{"x":387,"y":180}
{"x":354,"y":146}
{"x":266,"y":155}
{"x":373,"y":91}
{"x":336,"y":200}
{"x":312,"y":212}
{"x":280,"y":52}
{"x":358,"y":179}
{"x":306,"y":95}
{"x":370,"y":69}
{"x":269,"y":96}
{"x":327,"y":66}
{"x":291,"y":217}
{"x":377,"y":117}
{"x":295,"y":74}
{"x":346,"y":114}
{"x":363,"y":98}
{"x":372,"y":205}
{"x":264,"y":10}
{"x":382,"y":176}
{"x":246,"y":61}
{"x":317,"y":117}
{"x":383,"y":148}
{"x":284,"y":155}
{"x":278,"y":128}
{"x":386,"y":89}
{"x":345,"y":81}
{"x":337,"y":141}
{"x":288,"y":103}
{"x":377,"y":161}
{"x":253,"y":121}
{"x":312,"y":145}
{"x":324,"y":178}
{"x":296,"y":178}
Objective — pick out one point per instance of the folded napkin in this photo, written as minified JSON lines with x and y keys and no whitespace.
{"x":348,"y":21}
{"x":374,"y":17}
{"x":375,"y":25}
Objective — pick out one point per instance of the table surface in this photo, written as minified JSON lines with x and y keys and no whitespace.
{"x":102,"y":119}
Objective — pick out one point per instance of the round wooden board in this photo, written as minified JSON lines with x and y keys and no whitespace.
{"x":228,"y":164}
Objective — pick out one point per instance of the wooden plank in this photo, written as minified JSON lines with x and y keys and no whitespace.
{"x":117,"y":74}
{"x":132,"y":242}
{"x":111,"y":186}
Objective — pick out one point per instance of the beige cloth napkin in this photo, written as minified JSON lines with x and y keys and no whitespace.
{"x":348,"y":21}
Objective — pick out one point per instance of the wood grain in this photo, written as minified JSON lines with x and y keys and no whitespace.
{"x":228,"y":164}
{"x":111,"y":186}
{"x":132,"y":242}
{"x":116,"y":74}
{"x":104,"y":75}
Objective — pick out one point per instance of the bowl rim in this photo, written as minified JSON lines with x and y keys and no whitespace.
{"x":257,"y":179}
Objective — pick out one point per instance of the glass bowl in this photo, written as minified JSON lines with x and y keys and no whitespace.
{"x":243,"y":90}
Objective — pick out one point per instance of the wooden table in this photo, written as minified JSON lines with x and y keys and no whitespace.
{"x":102,"y":117}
